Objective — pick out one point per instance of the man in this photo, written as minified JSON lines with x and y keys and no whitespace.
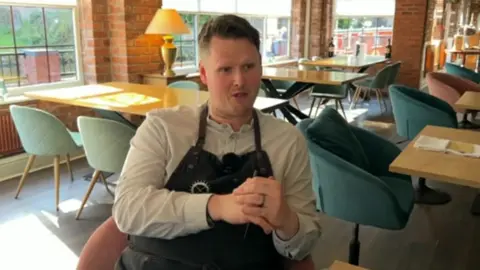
{"x":221,"y":186}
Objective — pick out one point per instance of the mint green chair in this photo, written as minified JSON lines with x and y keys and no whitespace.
{"x":106,"y":143}
{"x":377,"y":84}
{"x":394,"y":71}
{"x":413,"y":110}
{"x":462,"y":72}
{"x":351,"y":177}
{"x":42,"y":134}
{"x":184,"y":84}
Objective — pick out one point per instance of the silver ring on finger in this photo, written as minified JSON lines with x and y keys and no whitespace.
{"x":263,"y":201}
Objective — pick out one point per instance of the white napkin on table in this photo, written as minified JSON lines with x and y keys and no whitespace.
{"x":447,"y":146}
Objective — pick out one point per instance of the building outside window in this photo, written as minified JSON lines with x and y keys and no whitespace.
{"x":39,"y":44}
{"x":271,"y":18}
{"x":353,"y":22}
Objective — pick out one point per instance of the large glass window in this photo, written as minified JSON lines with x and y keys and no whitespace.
{"x":271,"y":19}
{"x":38,"y":45}
{"x":352,"y":22}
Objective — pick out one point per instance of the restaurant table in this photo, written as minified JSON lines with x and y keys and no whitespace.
{"x":304,"y":79}
{"x":136,"y":99}
{"x":350,"y":62}
{"x":441,"y":166}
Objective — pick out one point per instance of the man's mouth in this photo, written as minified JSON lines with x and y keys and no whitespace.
{"x":239,"y":94}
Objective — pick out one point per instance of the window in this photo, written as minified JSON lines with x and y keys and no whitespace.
{"x":352,"y":22}
{"x":38,"y":44}
{"x":270,"y":18}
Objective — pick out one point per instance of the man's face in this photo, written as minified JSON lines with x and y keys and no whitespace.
{"x":232,"y":71}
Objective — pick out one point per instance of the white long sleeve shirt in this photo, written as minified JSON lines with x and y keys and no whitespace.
{"x":144,"y":207}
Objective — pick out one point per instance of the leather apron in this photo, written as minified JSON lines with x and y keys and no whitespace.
{"x":224,"y":246}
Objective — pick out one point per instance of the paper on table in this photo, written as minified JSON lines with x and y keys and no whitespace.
{"x":447,"y":146}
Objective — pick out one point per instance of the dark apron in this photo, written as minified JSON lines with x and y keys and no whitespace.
{"x":225,"y":246}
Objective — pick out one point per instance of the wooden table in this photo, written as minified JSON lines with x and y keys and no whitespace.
{"x":464,"y":53}
{"x":339,"y":265}
{"x":304,"y":79}
{"x":137,"y":99}
{"x":470,"y":102}
{"x":441,"y":166}
{"x":348,"y":62}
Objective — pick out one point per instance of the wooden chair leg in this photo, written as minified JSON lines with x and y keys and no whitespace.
{"x":30,"y":161}
{"x":320,"y":101}
{"x":102,"y":177}
{"x":94,"y":180}
{"x":56,"y":175}
{"x":69,"y":167}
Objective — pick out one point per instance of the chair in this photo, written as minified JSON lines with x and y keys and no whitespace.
{"x":450,"y":88}
{"x":115,"y":116}
{"x":42,"y":134}
{"x":106,"y":244}
{"x":325,"y":92}
{"x":376,"y":83}
{"x":395,"y":69}
{"x":412,"y":111}
{"x":462,"y":72}
{"x":351,"y":178}
{"x":106,"y":144}
{"x":281,"y":87}
{"x":184,"y":84}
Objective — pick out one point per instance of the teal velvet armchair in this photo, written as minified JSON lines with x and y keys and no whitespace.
{"x":412,"y":111}
{"x":351,"y":177}
{"x":462,"y":72}
{"x":185,"y":84}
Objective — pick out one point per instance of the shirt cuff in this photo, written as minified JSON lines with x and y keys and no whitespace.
{"x":292,"y":247}
{"x":195,"y":212}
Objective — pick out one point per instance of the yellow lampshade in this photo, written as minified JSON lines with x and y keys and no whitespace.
{"x":167,"y":22}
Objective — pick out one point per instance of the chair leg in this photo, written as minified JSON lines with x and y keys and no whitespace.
{"x":296,"y":103}
{"x":102,"y":177}
{"x":341,"y":107}
{"x":354,"y":254}
{"x":30,"y":161}
{"x":355,"y":97}
{"x":95,"y":176}
{"x":56,"y":175}
{"x":311,"y":106}
{"x":379,"y":99}
{"x":320,"y":101}
{"x":69,"y":167}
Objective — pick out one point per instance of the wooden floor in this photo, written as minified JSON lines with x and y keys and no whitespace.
{"x":34,"y":236}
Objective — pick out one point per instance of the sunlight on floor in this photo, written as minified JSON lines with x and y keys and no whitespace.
{"x":28,"y":244}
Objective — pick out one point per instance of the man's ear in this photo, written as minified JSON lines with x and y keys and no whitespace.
{"x":203,"y":72}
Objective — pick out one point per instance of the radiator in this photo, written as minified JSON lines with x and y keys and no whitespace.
{"x":9,"y":140}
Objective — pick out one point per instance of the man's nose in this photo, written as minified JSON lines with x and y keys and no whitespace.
{"x":239,"y":77}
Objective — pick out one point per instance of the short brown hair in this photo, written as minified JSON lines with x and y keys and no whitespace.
{"x":227,"y":26}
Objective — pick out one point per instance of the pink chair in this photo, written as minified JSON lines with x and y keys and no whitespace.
{"x":106,"y":244}
{"x":449,"y":87}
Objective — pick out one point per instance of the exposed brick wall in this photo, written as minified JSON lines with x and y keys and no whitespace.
{"x":321,"y":15}
{"x":408,"y":39}
{"x":113,"y":44}
{"x":297,"y":40}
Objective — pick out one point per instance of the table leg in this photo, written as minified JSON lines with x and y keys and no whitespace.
{"x":465,"y":123}
{"x":426,"y":195}
{"x":288,"y":111}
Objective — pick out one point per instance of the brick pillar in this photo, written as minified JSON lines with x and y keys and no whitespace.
{"x":95,"y":41}
{"x":297,"y":40}
{"x":408,"y":39}
{"x":122,"y":24}
{"x":321,"y":18}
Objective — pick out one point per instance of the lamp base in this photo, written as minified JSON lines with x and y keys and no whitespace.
{"x":169,"y":54}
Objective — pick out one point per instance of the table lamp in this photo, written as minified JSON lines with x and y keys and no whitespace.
{"x":167,"y":22}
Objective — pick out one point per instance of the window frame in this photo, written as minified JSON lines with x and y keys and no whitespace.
{"x":18,"y":91}
{"x":243,"y":15}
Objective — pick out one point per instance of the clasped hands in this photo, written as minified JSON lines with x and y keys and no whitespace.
{"x":260,"y":201}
